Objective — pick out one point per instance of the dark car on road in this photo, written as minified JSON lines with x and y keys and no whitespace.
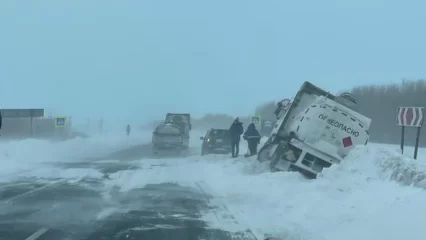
{"x":217,"y":141}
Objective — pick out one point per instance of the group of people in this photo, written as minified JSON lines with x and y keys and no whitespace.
{"x":251,"y":135}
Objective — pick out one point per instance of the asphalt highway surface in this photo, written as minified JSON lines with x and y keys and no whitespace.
{"x":58,"y":209}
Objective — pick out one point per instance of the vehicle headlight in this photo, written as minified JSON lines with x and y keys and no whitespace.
{"x":208,"y":140}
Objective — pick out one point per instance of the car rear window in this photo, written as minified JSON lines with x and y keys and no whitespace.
{"x":219,"y":133}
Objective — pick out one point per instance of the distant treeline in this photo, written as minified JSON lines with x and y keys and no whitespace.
{"x":380,"y":103}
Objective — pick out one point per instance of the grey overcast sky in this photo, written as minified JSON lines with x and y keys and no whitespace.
{"x":140,"y":59}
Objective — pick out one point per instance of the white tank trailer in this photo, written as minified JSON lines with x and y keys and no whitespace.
{"x":316,"y":130}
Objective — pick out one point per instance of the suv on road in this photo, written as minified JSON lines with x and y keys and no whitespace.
{"x":216,"y":141}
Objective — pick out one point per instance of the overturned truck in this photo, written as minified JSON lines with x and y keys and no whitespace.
{"x":172,"y":136}
{"x":313,"y":131}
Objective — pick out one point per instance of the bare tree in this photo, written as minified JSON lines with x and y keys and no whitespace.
{"x":380,"y":103}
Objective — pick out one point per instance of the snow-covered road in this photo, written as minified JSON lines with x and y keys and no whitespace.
{"x":78,"y":189}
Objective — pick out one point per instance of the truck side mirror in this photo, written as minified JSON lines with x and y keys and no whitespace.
{"x":201,"y":138}
{"x":190,"y":126}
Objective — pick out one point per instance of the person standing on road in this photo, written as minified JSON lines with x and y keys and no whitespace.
{"x":252,"y":136}
{"x":128,"y":129}
{"x":235,"y":131}
{"x":1,"y":120}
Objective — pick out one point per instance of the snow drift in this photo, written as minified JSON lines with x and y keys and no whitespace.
{"x":360,"y":198}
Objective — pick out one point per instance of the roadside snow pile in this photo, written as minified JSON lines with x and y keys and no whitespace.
{"x":356,"y":194}
{"x":404,"y":170}
{"x":382,"y":162}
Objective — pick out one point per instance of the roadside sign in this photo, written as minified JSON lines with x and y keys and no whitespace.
{"x":16,"y":113}
{"x":410,"y":117}
{"x":60,"y":122}
{"x":22,"y":113}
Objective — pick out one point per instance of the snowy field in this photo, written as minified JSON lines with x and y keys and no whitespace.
{"x":369,"y":196}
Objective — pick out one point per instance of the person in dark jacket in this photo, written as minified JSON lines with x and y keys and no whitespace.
{"x":128,"y":129}
{"x":253,"y":139}
{"x":235,"y":131}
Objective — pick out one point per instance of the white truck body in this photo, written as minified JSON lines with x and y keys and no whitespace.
{"x":317,"y":130}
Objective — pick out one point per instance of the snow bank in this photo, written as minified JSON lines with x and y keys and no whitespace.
{"x":402,"y":169}
{"x":387,"y":162}
{"x":352,"y":200}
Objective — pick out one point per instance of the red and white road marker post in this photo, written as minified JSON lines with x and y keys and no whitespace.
{"x":410,"y":117}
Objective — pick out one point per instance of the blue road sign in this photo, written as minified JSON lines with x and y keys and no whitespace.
{"x":60,"y":122}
